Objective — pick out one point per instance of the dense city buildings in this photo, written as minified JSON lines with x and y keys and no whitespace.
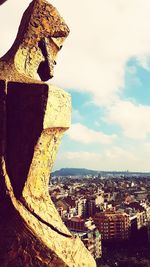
{"x":101,"y":209}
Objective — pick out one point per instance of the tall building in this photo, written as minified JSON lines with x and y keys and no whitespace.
{"x":81,"y":207}
{"x":113,"y":225}
{"x":90,"y":206}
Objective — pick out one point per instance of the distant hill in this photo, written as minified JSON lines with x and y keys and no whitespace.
{"x":74,"y":172}
{"x":84,"y":172}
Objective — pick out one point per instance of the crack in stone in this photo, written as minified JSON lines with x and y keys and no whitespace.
{"x":44,"y":222}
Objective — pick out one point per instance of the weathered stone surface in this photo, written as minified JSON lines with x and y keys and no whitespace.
{"x":40,"y":37}
{"x":33,"y":118}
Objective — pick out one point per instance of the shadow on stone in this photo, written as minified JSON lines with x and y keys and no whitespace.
{"x":26,"y":105}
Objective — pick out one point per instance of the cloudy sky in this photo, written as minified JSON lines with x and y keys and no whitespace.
{"x":105,"y":65}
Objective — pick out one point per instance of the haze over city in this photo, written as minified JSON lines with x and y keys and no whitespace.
{"x":105,"y":65}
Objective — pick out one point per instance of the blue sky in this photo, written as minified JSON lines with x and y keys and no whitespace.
{"x":105,"y":66}
{"x":137,"y":84}
{"x":128,"y":151}
{"x":111,"y":101}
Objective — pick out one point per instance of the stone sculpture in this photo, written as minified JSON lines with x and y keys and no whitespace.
{"x":33,"y":118}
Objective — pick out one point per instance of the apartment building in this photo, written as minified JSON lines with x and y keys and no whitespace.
{"x":113,"y":225}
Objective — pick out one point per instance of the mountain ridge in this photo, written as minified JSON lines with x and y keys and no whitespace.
{"x":84,"y":171}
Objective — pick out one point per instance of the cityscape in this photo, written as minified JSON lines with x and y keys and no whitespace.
{"x":109,"y":211}
{"x":103,"y":110}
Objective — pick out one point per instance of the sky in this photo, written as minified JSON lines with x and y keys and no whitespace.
{"x":105,"y":66}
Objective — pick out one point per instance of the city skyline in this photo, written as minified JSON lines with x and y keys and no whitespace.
{"x":105,"y":65}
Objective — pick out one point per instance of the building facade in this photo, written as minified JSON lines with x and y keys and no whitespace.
{"x":113,"y":225}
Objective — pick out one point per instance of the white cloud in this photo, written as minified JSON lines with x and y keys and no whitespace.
{"x":119,"y":154}
{"x":10,"y":15}
{"x":131,"y":158}
{"x":80,"y":159}
{"x":82,"y":155}
{"x":146,"y":147}
{"x":144,"y":61}
{"x":132,"y":118}
{"x":115,"y":158}
{"x":105,"y":34}
{"x":81,"y":133}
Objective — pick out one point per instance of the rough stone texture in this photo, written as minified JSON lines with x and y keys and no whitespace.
{"x":41,"y":35}
{"x":33,"y":118}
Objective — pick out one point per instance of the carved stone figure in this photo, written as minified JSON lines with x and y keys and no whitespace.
{"x":33,"y":117}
